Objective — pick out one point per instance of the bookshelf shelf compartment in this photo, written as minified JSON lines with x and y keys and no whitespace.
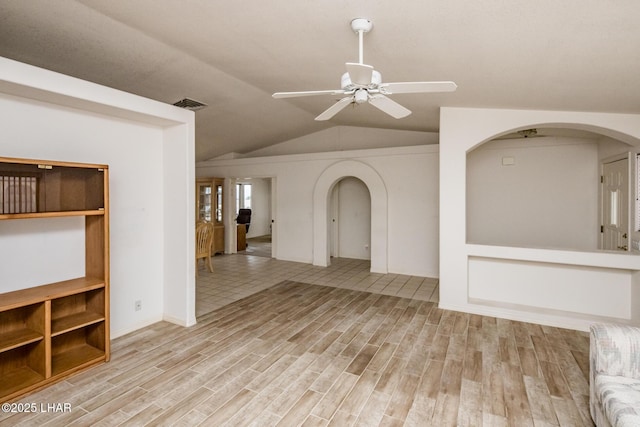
{"x":22,"y":367}
{"x":77,"y":348}
{"x":76,"y":358}
{"x":50,"y":331}
{"x":18,"y":338}
{"x":21,"y":326}
{"x":74,"y":321}
{"x":76,"y":311}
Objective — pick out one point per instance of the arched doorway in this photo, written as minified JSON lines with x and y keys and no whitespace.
{"x":322,"y":214}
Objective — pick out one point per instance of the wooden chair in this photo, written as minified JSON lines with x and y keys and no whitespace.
{"x":204,"y":239}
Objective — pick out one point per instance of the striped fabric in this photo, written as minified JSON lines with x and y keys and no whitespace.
{"x":615,"y":375}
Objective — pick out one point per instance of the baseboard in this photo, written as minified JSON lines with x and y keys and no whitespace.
{"x":138,"y":325}
{"x":179,"y":322}
{"x":565,"y":322}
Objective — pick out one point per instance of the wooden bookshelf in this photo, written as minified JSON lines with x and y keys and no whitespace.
{"x":50,"y":331}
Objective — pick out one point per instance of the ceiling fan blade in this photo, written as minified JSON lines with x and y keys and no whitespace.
{"x":335,"y":108}
{"x":417,"y":87}
{"x":278,"y":95}
{"x":360,"y":74}
{"x":389,"y":106}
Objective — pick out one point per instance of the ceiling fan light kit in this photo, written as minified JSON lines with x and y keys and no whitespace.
{"x":361,"y":83}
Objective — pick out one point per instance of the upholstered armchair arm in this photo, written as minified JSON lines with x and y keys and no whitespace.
{"x":615,"y":350}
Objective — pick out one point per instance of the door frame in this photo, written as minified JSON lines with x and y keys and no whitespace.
{"x":334,"y":224}
{"x":231,"y":242}
{"x":631,"y":167}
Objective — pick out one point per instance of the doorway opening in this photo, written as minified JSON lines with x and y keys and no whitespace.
{"x":378,"y":210}
{"x":350,"y":232}
{"x":254,"y":216}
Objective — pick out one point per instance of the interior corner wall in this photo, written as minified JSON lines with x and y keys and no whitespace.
{"x":461,"y":130}
{"x":148,"y":147}
{"x":178,"y":224}
{"x":43,"y":131}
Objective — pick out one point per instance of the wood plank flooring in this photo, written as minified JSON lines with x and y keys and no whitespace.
{"x":299,"y":354}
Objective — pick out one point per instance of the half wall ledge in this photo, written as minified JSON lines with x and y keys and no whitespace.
{"x":572,"y":288}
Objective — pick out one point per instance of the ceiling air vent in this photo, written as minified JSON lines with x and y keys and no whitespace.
{"x":190,"y":104}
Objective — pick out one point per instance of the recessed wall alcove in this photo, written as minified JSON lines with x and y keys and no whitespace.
{"x":538,"y":187}
{"x":379,"y":212}
{"x":558,"y":286}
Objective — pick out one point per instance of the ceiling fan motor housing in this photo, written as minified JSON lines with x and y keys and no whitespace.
{"x":347,"y":84}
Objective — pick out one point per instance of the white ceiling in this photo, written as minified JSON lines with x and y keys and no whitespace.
{"x":578,"y":55}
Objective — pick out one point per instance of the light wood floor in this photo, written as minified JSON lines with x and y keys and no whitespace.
{"x":302,"y":354}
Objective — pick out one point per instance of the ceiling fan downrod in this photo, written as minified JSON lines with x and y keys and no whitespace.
{"x":361,"y":26}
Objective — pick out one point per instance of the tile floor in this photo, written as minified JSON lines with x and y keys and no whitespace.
{"x":237,"y":276}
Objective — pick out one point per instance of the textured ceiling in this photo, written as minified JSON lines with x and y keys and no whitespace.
{"x":578,"y":55}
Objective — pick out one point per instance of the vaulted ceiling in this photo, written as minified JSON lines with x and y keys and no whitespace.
{"x":578,"y":55}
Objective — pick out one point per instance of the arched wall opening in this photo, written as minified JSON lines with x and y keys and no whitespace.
{"x":322,"y":213}
{"x":539,"y":187}
{"x":558,"y":287}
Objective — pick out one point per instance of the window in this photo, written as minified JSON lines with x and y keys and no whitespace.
{"x":219,"y":203}
{"x":243,"y":196}
{"x":613,"y":215}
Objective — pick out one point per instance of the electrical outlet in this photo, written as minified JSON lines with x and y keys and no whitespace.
{"x":138,"y":305}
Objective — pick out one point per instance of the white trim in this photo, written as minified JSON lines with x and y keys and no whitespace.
{"x":569,"y":321}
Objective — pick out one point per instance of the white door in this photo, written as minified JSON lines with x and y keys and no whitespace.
{"x":615,"y":205}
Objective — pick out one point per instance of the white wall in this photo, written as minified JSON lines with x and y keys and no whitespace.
{"x":353,"y":220}
{"x":608,"y":147}
{"x":40,"y":251}
{"x":468,"y":271}
{"x":546,"y":195}
{"x":149,"y":149}
{"x":409,"y":176}
{"x":343,"y":138}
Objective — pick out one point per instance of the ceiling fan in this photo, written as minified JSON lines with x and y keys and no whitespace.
{"x":361,"y":83}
